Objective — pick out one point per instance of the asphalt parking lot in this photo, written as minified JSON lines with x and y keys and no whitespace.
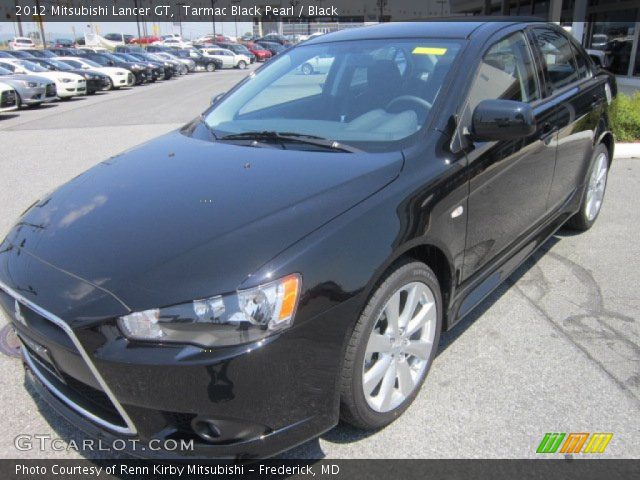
{"x":555,"y":349}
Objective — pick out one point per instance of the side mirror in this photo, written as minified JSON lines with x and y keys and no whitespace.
{"x":502,"y":120}
{"x":217,"y":98}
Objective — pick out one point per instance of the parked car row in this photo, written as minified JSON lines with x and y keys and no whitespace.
{"x":30,"y":77}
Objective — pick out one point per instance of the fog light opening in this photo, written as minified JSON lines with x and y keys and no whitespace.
{"x":207,"y":430}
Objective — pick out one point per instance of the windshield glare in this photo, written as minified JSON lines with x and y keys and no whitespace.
{"x":369,"y":93}
{"x":32,"y":67}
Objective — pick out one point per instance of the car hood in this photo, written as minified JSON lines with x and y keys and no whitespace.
{"x":181,"y":218}
{"x":57,"y":76}
{"x":27,"y":78}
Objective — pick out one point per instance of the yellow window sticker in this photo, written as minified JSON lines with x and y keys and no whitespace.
{"x":429,"y":51}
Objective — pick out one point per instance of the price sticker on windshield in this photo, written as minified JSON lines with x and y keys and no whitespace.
{"x":429,"y":51}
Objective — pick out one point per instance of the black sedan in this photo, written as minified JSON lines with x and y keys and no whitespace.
{"x":275,"y":266}
{"x":109,"y":60}
{"x":96,"y":81}
{"x":169,"y":67}
{"x":203,"y":63}
{"x":154,"y":71}
{"x":274,"y":48}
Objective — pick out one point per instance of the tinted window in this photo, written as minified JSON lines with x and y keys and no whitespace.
{"x":506,"y":72}
{"x":583,"y":65}
{"x":558,"y":57}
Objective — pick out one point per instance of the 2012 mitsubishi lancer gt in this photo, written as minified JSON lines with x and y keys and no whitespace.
{"x":290,"y":257}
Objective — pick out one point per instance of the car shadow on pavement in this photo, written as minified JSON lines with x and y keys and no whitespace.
{"x":8,"y":116}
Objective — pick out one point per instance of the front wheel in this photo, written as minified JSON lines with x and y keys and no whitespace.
{"x":391,"y":347}
{"x":211,"y":67}
{"x":242,"y":65}
{"x":111,"y":86}
{"x":594,"y":191}
{"x":307,"y":69}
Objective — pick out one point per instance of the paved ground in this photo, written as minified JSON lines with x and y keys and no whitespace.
{"x":554,"y":350}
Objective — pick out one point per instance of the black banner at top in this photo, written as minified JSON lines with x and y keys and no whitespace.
{"x":362,"y":11}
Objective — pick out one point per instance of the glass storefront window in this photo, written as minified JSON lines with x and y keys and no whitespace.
{"x":611,"y":34}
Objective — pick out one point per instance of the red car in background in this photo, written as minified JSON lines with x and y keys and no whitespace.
{"x":148,"y":40}
{"x":261,"y":53}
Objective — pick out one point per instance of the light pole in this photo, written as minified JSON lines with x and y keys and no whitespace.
{"x":179,"y":5}
{"x":235,"y":18}
{"x":41,"y":24}
{"x":213,"y":17}
{"x":20,"y":34}
{"x":381,"y":4}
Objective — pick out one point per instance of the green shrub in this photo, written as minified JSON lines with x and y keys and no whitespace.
{"x":625,"y":117}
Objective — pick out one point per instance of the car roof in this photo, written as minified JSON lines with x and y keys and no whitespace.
{"x":454,"y":28}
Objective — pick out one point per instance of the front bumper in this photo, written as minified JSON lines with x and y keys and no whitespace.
{"x":32,"y":95}
{"x":71,"y":89}
{"x":261,"y":398}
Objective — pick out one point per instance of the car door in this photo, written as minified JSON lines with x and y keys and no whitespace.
{"x":509,"y":180}
{"x":579,"y":98}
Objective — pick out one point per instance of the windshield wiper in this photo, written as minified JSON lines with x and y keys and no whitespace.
{"x":293,"y":137}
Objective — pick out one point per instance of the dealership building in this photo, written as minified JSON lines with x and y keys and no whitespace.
{"x":608,"y":28}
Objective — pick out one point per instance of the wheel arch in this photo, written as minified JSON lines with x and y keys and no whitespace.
{"x":606,"y":138}
{"x":431,"y":255}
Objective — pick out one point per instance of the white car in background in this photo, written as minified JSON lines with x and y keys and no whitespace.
{"x":67,"y":84}
{"x":8,"y":98}
{"x":228,"y":58}
{"x":119,"y":77}
{"x":176,"y":43}
{"x":21,"y":43}
{"x":318,"y":64}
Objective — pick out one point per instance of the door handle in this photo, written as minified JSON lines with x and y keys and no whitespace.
{"x":596,"y":101}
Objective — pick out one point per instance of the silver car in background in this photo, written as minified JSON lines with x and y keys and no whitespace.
{"x":31,"y":90}
{"x":189,"y":64}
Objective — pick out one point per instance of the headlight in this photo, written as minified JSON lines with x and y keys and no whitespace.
{"x":67,"y":80}
{"x":243,"y":317}
{"x":25,"y":83}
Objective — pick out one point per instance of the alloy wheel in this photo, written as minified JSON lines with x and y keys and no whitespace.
{"x":399,"y":347}
{"x":596,"y":187}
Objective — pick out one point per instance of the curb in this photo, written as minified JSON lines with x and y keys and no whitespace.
{"x":627,"y":150}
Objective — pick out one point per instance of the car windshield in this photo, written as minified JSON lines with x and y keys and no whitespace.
{"x":370,"y":93}
{"x":60,"y":65}
{"x":4,"y":71}
{"x":91,"y":63}
{"x":128,"y":58}
{"x":32,"y":67}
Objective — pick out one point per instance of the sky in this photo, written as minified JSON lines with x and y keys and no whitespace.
{"x":190,"y":30}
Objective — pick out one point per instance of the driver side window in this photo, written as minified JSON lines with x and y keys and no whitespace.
{"x":506,"y":72}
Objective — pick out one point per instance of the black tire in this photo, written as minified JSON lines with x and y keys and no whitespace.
{"x":111,"y":86}
{"x":19,"y":101}
{"x":211,"y":67}
{"x":580,"y":221}
{"x":242,"y":64}
{"x":354,"y":408}
{"x":306,"y":68}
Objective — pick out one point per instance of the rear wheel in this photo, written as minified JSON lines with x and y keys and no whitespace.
{"x":211,"y":67}
{"x":594,"y":191}
{"x":307,"y":69}
{"x":392,"y":347}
